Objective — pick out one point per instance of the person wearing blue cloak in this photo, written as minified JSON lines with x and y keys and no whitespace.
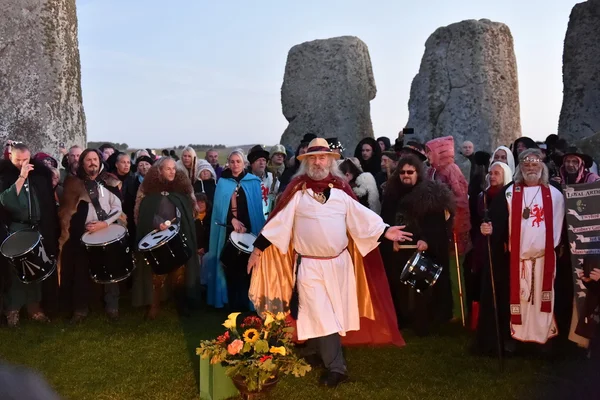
{"x":237,"y":208}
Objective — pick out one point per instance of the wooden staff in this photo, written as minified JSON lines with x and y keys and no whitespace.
{"x":460,"y":292}
{"x":486,"y":218}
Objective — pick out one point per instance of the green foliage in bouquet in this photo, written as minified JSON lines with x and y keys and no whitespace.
{"x":257,"y":351}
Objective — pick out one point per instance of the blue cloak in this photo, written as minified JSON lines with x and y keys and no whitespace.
{"x":214,"y":274}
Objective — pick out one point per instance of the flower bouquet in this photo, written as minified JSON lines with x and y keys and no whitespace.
{"x":255,"y":352}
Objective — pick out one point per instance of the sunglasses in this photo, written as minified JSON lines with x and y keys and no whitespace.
{"x":405,"y":172}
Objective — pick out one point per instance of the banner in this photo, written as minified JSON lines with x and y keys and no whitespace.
{"x":583,"y":226}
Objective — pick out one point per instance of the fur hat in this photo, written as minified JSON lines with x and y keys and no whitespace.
{"x":257,"y":152}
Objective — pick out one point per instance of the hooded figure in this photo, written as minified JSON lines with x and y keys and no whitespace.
{"x":372,"y":163}
{"x":205,"y":183}
{"x":521,"y":144}
{"x":363,"y":185}
{"x":503,"y":154}
{"x":384,"y":143}
{"x":441,"y":156}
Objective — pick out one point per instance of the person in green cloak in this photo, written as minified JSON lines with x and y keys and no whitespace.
{"x":166,"y":194}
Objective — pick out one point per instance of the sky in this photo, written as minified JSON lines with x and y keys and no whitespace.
{"x":160,"y":74}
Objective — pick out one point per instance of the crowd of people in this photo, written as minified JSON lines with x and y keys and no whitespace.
{"x":313,"y":214}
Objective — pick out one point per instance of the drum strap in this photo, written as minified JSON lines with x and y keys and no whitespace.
{"x":93,"y":187}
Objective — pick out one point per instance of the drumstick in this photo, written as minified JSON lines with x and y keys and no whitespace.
{"x":224,"y":225}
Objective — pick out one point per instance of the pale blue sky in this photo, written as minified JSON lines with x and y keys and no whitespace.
{"x":163,"y":73}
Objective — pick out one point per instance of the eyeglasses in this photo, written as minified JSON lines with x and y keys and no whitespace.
{"x":405,"y":172}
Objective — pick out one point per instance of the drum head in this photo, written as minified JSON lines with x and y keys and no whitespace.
{"x":107,"y":235}
{"x":157,"y":237}
{"x":20,"y":243}
{"x":243,"y":241}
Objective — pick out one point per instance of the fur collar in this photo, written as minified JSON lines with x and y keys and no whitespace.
{"x":365,"y":185}
{"x":425,"y":198}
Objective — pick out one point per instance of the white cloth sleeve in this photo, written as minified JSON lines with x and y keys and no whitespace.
{"x":278,"y":230}
{"x":364,"y":225}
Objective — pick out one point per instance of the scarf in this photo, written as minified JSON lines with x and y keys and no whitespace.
{"x":515,"y":253}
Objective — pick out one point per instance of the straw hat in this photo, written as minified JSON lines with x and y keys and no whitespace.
{"x":316,"y":147}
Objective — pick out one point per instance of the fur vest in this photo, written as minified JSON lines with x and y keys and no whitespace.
{"x":366,"y":187}
{"x":427,"y":197}
{"x":74,"y":192}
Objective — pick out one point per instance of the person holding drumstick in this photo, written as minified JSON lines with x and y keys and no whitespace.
{"x":25,"y":195}
{"x":164,"y":198}
{"x":237,"y":207}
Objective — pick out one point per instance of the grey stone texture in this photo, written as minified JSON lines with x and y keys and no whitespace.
{"x":467,"y":86}
{"x":580,"y":112}
{"x":326,"y":90}
{"x":40,"y":76}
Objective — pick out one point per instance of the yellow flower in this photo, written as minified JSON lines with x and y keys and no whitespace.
{"x":230,"y":323}
{"x":251,"y":335}
{"x":277,"y":350}
{"x":280,"y":316}
{"x":269,"y":320}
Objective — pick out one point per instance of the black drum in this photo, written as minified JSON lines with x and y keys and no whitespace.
{"x":166,"y":250}
{"x":109,"y":254}
{"x":236,"y":252}
{"x":25,"y":251}
{"x":420,"y":272}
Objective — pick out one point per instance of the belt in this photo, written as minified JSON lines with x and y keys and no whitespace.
{"x":321,"y":258}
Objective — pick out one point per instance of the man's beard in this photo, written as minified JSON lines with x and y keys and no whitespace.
{"x":317,"y":173}
{"x":93,"y":170}
{"x":532,"y":178}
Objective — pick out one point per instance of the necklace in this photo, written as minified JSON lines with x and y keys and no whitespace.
{"x":527,"y":209}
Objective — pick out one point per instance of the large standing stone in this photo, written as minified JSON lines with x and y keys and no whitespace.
{"x":326,"y":90}
{"x":40,"y":77}
{"x":580,"y":113}
{"x":467,"y":86}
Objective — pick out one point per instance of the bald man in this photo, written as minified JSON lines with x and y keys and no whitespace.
{"x":467,"y":150}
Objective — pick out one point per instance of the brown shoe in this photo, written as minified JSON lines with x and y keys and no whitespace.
{"x":12,"y":319}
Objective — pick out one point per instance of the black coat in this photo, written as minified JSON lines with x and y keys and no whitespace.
{"x":129,"y":194}
{"x":41,"y":182}
{"x":422,"y":210}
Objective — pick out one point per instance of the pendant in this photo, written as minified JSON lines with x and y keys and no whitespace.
{"x":526,"y":213}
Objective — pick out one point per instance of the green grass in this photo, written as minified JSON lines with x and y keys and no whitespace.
{"x":137,"y":359}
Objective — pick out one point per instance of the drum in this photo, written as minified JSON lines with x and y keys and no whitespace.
{"x":109,"y":254}
{"x":25,"y":251}
{"x":420,"y":272}
{"x":165,"y":250}
{"x":236,"y":251}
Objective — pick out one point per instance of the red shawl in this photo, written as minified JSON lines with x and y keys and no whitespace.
{"x":515,"y":252}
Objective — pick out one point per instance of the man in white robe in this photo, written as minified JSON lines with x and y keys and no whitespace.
{"x":316,"y":223}
{"x":535,"y":217}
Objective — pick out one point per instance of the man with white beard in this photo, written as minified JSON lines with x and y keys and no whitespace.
{"x":317,"y":256}
{"x":526,"y":228}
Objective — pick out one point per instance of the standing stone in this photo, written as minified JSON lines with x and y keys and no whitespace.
{"x":40,"y":77}
{"x":467,"y":86}
{"x":326,"y":90}
{"x":580,"y":113}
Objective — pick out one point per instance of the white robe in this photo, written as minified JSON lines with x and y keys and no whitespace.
{"x":537,"y":326}
{"x":327,"y":288}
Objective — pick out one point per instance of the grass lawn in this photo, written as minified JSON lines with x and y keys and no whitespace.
{"x":137,"y":359}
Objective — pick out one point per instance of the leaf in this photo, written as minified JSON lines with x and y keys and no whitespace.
{"x":247,"y":347}
{"x":261,"y":346}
